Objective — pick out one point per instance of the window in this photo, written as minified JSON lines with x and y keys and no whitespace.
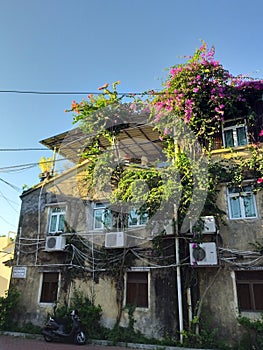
{"x":235,"y":134}
{"x":101,"y":217}
{"x":49,"y":288}
{"x":137,"y":288}
{"x":241,"y":204}
{"x":136,"y":218}
{"x":250,"y":290}
{"x":57,"y":220}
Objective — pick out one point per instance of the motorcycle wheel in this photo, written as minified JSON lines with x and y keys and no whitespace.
{"x":80,"y":338}
{"x":47,"y":338}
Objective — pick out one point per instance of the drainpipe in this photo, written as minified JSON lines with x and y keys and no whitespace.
{"x":53,"y":161}
{"x":177,"y":255}
{"x":19,"y":246}
{"x":178,"y":275}
{"x":189,"y":305}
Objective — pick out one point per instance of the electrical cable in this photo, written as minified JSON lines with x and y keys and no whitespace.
{"x":9,"y":184}
{"x":7,"y":222}
{"x":22,"y":149}
{"x":124,"y":94}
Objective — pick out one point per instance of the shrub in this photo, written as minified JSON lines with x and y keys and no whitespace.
{"x":89,"y":313}
{"x":8,"y":304}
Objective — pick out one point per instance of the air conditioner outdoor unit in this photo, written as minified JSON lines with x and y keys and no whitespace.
{"x":55,"y":243}
{"x":203,"y":254}
{"x":115,"y":240}
{"x":209,"y":225}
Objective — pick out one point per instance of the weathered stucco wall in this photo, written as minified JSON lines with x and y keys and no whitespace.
{"x":219,"y":309}
{"x":217,"y":284}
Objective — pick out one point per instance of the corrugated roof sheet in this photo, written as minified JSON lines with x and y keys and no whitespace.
{"x":133,"y":141}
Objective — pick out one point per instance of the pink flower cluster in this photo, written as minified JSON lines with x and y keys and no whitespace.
{"x":201,"y":92}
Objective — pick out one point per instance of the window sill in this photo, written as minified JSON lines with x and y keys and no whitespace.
{"x":244,"y":219}
{"x":141,"y":309}
{"x":253,"y":315}
{"x":230,"y":150}
{"x":41,"y":304}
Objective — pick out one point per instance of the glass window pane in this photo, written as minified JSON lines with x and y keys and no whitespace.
{"x":250,"y":275}
{"x":133,"y":218}
{"x":53,"y":223}
{"x":61,"y":223}
{"x":241,"y":136}
{"x":247,"y":188}
{"x":131,"y":294}
{"x":142,"y":295}
{"x":233,"y":190}
{"x":107,"y":218}
{"x":137,"y":289}
{"x":249,"y":206}
{"x":235,"y":207}
{"x":229,"y":139}
{"x":98,"y":215}
{"x":49,"y":287}
{"x":100,"y":205}
{"x":258,"y":293}
{"x":244,"y":297}
{"x":143,"y":219}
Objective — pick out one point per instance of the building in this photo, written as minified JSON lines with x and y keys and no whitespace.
{"x":72,"y":238}
{"x":7,"y":247}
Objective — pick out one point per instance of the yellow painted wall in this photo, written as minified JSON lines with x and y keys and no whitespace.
{"x":6,"y":253}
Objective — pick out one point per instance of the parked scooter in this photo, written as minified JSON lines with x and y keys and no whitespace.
{"x":56,"y":330}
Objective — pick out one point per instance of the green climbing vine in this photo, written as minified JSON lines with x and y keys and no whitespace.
{"x":198,"y":97}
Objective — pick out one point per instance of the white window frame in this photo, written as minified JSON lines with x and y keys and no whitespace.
{"x":138,"y":218}
{"x":41,"y":285}
{"x":138,"y":269}
{"x":99,"y":206}
{"x":57,"y":215}
{"x":239,"y":196}
{"x":234,"y":128}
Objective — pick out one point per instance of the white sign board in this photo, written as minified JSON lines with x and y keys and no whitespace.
{"x":19,"y":272}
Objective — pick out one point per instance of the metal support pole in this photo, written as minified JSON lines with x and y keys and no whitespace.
{"x":177,"y":255}
{"x":178,"y":276}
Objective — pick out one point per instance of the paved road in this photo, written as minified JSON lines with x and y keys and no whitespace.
{"x":11,"y":342}
{"x":19,"y":343}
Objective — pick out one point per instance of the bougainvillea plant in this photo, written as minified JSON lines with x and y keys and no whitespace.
{"x":203,"y":94}
{"x":199,"y":94}
{"x":198,"y":97}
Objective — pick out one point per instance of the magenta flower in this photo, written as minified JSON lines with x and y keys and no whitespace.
{"x":259,"y":180}
{"x":261,"y":133}
{"x":173,"y":71}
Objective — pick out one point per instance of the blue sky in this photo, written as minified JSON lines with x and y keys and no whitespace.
{"x":78,"y":45}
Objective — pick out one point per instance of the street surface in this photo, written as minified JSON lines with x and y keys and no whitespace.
{"x":20,"y":343}
{"x":10,"y":342}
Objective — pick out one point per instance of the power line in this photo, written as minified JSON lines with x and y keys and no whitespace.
{"x":22,"y":149}
{"x":9,"y":202}
{"x":149,"y":92}
{"x":7,"y":222}
{"x":9,"y":184}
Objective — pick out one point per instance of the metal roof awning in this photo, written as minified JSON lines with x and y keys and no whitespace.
{"x":133,"y":142}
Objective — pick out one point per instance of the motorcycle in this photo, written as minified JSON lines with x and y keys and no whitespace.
{"x":57,"y":329}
